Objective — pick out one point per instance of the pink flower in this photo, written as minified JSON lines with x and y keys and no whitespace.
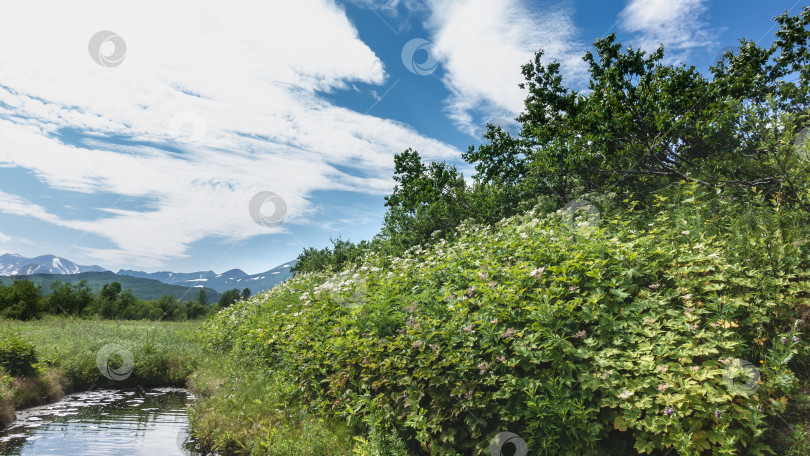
{"x":537,"y":273}
{"x":508,"y":333}
{"x":470,"y":292}
{"x":418,"y":344}
{"x":580,"y":334}
{"x":482,"y":368}
{"x":625,"y":394}
{"x":662,"y":368}
{"x":663,"y":387}
{"x":468,"y":328}
{"x":500,"y":359}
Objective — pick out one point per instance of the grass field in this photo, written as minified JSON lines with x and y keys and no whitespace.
{"x":75,"y":355}
{"x":252,"y":406}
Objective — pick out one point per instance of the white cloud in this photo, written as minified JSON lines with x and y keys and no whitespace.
{"x":676,"y":24}
{"x":4,"y":238}
{"x":250,"y":73}
{"x":482,"y":46}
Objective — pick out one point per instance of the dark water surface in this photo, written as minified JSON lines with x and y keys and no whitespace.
{"x":106,"y":422}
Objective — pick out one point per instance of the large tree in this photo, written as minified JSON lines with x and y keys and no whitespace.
{"x":642,"y":124}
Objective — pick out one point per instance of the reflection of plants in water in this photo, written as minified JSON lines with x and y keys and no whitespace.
{"x":137,"y":411}
{"x":12,"y":446}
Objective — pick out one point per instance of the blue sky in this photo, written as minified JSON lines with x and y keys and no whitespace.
{"x":142,"y":148}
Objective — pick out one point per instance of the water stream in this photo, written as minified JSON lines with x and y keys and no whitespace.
{"x":105,"y":422}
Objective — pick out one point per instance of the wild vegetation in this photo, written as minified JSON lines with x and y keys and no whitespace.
{"x":41,"y":360}
{"x":628,"y":275}
{"x":23,"y":299}
{"x":673,"y":321}
{"x":143,"y":288}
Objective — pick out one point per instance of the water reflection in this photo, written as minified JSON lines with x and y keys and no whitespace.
{"x":142,"y":422}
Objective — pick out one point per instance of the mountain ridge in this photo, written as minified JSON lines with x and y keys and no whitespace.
{"x":12,"y":264}
{"x":15,"y":265}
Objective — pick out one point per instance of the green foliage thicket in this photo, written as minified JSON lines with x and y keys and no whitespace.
{"x":675,"y":323}
{"x":641,"y":126}
{"x":621,"y":337}
{"x":23,"y":300}
{"x":341,"y":254}
{"x":17,"y":356}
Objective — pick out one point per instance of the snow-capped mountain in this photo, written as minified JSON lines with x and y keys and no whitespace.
{"x":12,"y":264}
{"x":235,"y":278}
{"x":17,"y":265}
{"x":172,"y":278}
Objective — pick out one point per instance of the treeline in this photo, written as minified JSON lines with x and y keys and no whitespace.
{"x":640,"y":127}
{"x":24,"y":300}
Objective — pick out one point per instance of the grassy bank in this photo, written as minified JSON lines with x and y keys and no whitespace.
{"x":674,"y":329}
{"x":51,"y":357}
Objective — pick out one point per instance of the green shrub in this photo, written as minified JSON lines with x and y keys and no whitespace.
{"x":17,"y":356}
{"x":628,"y":337}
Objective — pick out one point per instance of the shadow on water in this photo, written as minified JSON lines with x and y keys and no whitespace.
{"x":105,"y":422}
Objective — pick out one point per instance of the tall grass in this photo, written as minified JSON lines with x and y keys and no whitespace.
{"x":68,"y":352}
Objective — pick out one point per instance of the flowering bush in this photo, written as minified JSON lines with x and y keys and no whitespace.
{"x":647,"y":333}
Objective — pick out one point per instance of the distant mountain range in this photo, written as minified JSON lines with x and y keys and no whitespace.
{"x":12,"y":264}
{"x":235,"y":278}
{"x":16,"y":265}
